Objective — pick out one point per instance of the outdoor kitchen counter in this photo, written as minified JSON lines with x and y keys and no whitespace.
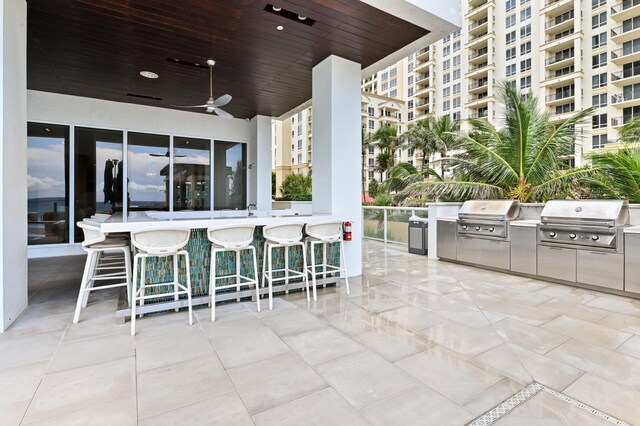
{"x":530,"y":223}
{"x":632,"y":229}
{"x":449,"y":218}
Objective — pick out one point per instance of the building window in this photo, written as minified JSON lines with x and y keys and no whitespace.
{"x":410,"y":115}
{"x":599,"y":40}
{"x":446,"y":64}
{"x":510,"y":5}
{"x":446,"y":38}
{"x":525,"y":14}
{"x":456,"y":102}
{"x":299,"y":143}
{"x":446,"y":92}
{"x":511,"y":37}
{"x":371,"y":150}
{"x":511,"y":70}
{"x":525,"y":65}
{"x":456,"y":74}
{"x":393,"y":83}
{"x":511,"y":20}
{"x":525,"y":82}
{"x":191,"y":173}
{"x":393,"y":93}
{"x":446,"y":78}
{"x":148,"y":184}
{"x":385,"y":75}
{"x":446,"y":105}
{"x":599,"y":60}
{"x":456,"y":34}
{"x":597,"y":3}
{"x":456,"y":88}
{"x":599,"y":20}
{"x":525,"y":48}
{"x":599,"y":121}
{"x":385,"y":86}
{"x":456,"y":46}
{"x":300,"y":116}
{"x":566,"y":108}
{"x":393,"y":72}
{"x":599,"y":141}
{"x":410,"y":79}
{"x":511,"y":53}
{"x":371,"y":111}
{"x":372,"y":124}
{"x":410,"y":104}
{"x":410,"y":91}
{"x":456,"y":115}
{"x":299,"y":158}
{"x":371,"y":162}
{"x":525,"y":31}
{"x":456,"y":60}
{"x":446,"y":51}
{"x":599,"y":100}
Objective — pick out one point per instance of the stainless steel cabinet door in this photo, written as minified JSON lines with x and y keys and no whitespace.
{"x":523,"y":249}
{"x":632,"y":262}
{"x":469,"y":250}
{"x":557,"y":262}
{"x":446,"y":239}
{"x":495,"y":254}
{"x":601,"y":269}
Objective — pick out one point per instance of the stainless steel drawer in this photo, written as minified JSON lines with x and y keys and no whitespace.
{"x":495,"y":254}
{"x":601,"y":269}
{"x":446,"y":239}
{"x":632,"y":262}
{"x":469,"y":250}
{"x":557,"y":262}
{"x":523,"y":249}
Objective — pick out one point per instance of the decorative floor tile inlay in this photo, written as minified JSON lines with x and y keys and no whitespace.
{"x":500,"y":411}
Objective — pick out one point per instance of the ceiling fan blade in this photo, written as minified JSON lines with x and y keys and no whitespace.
{"x":159,"y":155}
{"x":222,"y":114}
{"x":222,"y":100}
{"x":190,"y":106}
{"x":211,"y":108}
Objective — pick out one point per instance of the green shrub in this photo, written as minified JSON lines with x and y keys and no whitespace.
{"x":374,"y":188}
{"x":383,"y":199}
{"x":296,"y":187}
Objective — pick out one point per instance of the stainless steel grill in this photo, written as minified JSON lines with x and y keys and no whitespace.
{"x":487,"y":218}
{"x":584,"y":224}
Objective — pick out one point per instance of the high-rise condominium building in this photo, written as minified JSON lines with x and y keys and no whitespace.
{"x":571,"y":54}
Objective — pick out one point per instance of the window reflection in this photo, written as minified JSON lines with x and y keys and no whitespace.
{"x":191,"y":174}
{"x":47,"y":183}
{"x":230,"y":172}
{"x":148,"y":171}
{"x":98,"y":173}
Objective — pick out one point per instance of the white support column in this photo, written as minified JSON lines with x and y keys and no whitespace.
{"x":336,"y":148}
{"x":259,"y":162}
{"x":437,"y":210}
{"x":13,"y":161}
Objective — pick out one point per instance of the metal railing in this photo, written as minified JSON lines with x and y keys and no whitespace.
{"x":624,"y":5}
{"x":560,"y":19}
{"x":389,"y":224}
{"x":559,"y":57}
{"x":560,"y":95}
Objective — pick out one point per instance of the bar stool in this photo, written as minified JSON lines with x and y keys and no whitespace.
{"x":324,"y":233}
{"x":285,"y":235}
{"x":231,"y":238}
{"x":157,"y":242}
{"x":103,"y":254}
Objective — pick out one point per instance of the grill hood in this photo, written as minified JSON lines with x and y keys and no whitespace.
{"x":610,"y":213}
{"x":489,"y":210}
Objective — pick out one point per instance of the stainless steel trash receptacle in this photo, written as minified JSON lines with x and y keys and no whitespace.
{"x":418,"y":235}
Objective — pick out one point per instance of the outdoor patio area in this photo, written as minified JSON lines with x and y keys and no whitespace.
{"x":418,"y":342}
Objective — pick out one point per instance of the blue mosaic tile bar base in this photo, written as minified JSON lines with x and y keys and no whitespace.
{"x":159,"y":270}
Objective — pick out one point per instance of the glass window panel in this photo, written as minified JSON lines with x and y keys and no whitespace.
{"x":148,"y":171}
{"x":47,"y":183}
{"x":230,"y":175}
{"x":191,"y":173}
{"x":98,"y":173}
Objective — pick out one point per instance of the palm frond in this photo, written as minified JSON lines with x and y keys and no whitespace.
{"x":561,"y":184}
{"x":454,"y":190}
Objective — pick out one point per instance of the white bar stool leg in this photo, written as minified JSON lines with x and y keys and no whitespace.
{"x":264,"y":262}
{"x":270,"y":277}
{"x":304,"y":268}
{"x":212,"y":283}
{"x":238,"y":285}
{"x":135,"y":295}
{"x":286,"y":269}
{"x":143,"y":282}
{"x":127,"y":266}
{"x":83,"y":285}
{"x":90,"y":282}
{"x":186,"y":261}
{"x":175,"y":278}
{"x":255,"y":275}
{"x":324,"y":261}
{"x":313,"y":269}
{"x":344,"y":266}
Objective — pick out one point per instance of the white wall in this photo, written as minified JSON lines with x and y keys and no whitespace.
{"x":13,"y":161}
{"x":260,"y":163}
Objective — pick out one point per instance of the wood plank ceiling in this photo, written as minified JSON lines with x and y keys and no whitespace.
{"x":97,"y":48}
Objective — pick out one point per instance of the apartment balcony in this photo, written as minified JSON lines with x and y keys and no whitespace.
{"x":479,"y":40}
{"x":626,"y":99}
{"x":479,"y":101}
{"x":480,"y":114}
{"x":554,"y":80}
{"x":422,"y":106}
{"x":480,"y":70}
{"x":479,"y":26}
{"x":560,"y":115}
{"x":566,"y":40}
{"x":560,"y":60}
{"x":626,"y":77}
{"x":561,"y":22}
{"x":478,"y":86}
{"x":479,"y":9}
{"x":560,"y":97}
{"x":422,"y":78}
{"x":625,"y":33}
{"x":423,"y":54}
{"x":620,"y":57}
{"x":479,"y":56}
{"x":619,"y":121}
{"x":624,"y":10}
{"x":421,"y":116}
{"x":556,"y":6}
{"x":424,"y":92}
{"x":423,"y":66}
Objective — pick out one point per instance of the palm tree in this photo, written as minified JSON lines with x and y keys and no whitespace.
{"x":367,"y":142}
{"x":417,"y":138}
{"x":386,"y":137}
{"x":521,"y":161}
{"x":403,"y":175}
{"x":384,"y":162}
{"x":619,"y":172}
{"x":432,"y":135}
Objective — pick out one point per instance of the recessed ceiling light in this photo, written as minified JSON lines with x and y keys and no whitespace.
{"x":148,"y":74}
{"x":277,"y":9}
{"x":302,"y":17}
{"x":46,"y":129}
{"x":279,"y":28}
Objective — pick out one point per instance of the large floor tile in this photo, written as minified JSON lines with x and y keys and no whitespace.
{"x":419,"y":405}
{"x":221,"y":329}
{"x":12,"y":414}
{"x":121,"y":412}
{"x":588,"y":332}
{"x":492,"y":396}
{"x":465,"y":340}
{"x":449,"y":374}
{"x":293,"y":322}
{"x":603,"y":362}
{"x":249,"y":346}
{"x":622,"y":322}
{"x":85,"y":387}
{"x":170,"y":349}
{"x":325,"y":407}
{"x":19,"y":383}
{"x":620,"y":305}
{"x":529,"y":314}
{"x":527,"y":336}
{"x":317,"y":346}
{"x":544,"y":409}
{"x":364,"y":378}
{"x":393,"y":343}
{"x":573,"y":309}
{"x":525,"y":366}
{"x":631,"y":347}
{"x":266,"y":384}
{"x":611,"y":398}
{"x":92,"y":351}
{"x":27,"y":349}
{"x":412,"y":318}
{"x":224,"y":410}
{"x":174,"y":386}
{"x":163,"y":324}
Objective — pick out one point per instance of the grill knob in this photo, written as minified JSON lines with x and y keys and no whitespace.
{"x":477,"y":228}
{"x":465,"y":227}
{"x":595,"y":237}
{"x":491,"y":229}
{"x":573,"y":236}
{"x":552,"y":234}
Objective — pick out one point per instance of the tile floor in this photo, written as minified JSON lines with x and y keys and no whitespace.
{"x":418,"y":342}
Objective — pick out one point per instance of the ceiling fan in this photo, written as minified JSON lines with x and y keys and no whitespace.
{"x":212,"y":105}
{"x":153,"y":154}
